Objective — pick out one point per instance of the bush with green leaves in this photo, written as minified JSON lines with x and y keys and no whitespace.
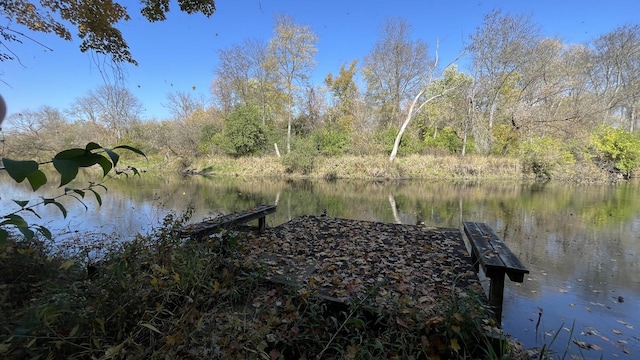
{"x":302,"y":158}
{"x":506,"y":140}
{"x":620,"y":147}
{"x":244,"y":133}
{"x":332,"y":140}
{"x":208,"y":139}
{"x":446,"y":139}
{"x":410,"y":143}
{"x":67,"y":163}
{"x":541,"y":155}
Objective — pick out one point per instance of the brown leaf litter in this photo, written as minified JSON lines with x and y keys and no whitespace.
{"x":413,"y":265}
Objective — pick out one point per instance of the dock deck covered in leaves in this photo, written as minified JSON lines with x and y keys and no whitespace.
{"x":343,"y":259}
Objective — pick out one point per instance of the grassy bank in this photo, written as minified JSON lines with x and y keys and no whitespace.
{"x":471,"y":167}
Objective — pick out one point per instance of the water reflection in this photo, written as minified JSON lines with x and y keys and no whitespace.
{"x":580,"y":243}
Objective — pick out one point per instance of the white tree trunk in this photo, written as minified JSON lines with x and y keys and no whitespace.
{"x":396,"y":144}
{"x":410,"y":114}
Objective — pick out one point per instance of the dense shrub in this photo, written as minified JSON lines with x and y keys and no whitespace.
{"x":447,"y":140}
{"x":208,"y":143}
{"x":505,"y":140}
{"x":332,"y":140}
{"x":302,"y":158}
{"x":410,"y":143}
{"x":244,"y":133}
{"x":541,"y":155}
{"x":620,"y":147}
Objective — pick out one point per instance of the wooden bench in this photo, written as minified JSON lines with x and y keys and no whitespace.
{"x":488,"y":250}
{"x":205,"y":228}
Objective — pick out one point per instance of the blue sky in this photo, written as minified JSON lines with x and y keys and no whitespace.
{"x":181,"y":53}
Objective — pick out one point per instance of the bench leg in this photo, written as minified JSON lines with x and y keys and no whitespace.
{"x":496,"y":293}
{"x":261,"y":224}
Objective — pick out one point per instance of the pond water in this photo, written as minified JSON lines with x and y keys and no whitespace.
{"x":581,"y":243}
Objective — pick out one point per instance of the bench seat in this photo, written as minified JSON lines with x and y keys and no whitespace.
{"x":496,"y":259}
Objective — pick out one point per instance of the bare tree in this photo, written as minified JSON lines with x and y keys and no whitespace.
{"x":235,"y":69}
{"x":243,"y":76}
{"x":36,"y":132}
{"x":498,"y":51}
{"x":182,"y":104}
{"x":616,"y":65}
{"x":291,"y":56}
{"x":395,"y":70}
{"x":312,"y":109}
{"x":114,"y":107}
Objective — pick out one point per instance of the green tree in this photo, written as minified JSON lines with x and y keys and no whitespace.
{"x":244,"y":133}
{"x":431,"y":91}
{"x":345,"y":95}
{"x":95,"y":21}
{"x":450,"y":110}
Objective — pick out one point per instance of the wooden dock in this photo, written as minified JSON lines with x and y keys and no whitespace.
{"x":205,"y":228}
{"x":342,"y":259}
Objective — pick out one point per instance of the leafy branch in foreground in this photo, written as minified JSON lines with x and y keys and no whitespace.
{"x":67,"y":163}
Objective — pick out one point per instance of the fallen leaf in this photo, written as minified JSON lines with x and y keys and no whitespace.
{"x":352,"y":351}
{"x":454,"y":345}
{"x":66,"y":265}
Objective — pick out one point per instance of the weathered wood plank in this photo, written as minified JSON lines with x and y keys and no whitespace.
{"x":206,"y":228}
{"x":496,"y":259}
{"x":483,"y":252}
{"x":493,"y":253}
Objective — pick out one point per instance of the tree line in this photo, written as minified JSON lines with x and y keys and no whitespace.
{"x":519,"y":94}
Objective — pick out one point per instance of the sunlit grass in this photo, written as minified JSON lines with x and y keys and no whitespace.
{"x":375,"y":167}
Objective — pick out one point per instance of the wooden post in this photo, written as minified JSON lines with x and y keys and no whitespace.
{"x":496,"y":292}
{"x":262,"y":225}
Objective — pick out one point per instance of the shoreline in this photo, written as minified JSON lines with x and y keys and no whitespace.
{"x":378,"y":168}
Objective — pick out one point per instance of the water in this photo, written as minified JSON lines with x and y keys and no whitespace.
{"x":581,"y":243}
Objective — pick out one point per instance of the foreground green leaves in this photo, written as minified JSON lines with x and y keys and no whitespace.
{"x":67,"y":163}
{"x":28,"y":169}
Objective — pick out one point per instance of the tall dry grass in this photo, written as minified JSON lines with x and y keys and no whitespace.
{"x":378,"y":167}
{"x":372,"y":167}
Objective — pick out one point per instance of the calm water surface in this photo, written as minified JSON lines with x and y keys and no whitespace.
{"x":581,"y":243}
